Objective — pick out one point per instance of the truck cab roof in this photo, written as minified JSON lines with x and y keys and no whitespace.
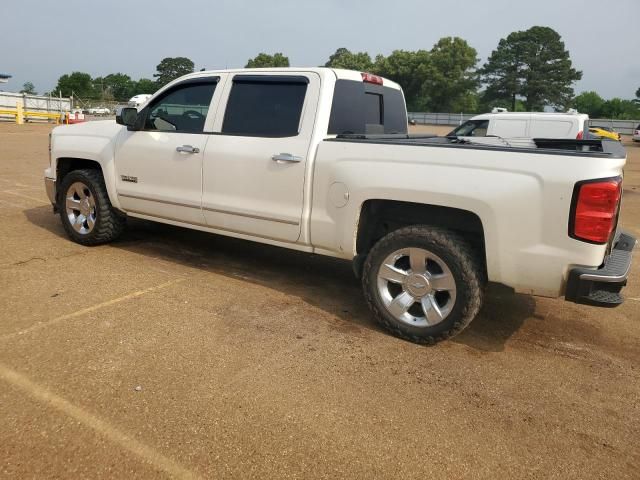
{"x":323,"y":72}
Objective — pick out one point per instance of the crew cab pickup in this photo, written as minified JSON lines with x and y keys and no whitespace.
{"x":320,"y":160}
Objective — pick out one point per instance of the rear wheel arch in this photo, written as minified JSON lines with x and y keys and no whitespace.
{"x":380,"y":217}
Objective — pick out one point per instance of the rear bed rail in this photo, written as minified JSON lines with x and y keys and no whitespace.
{"x":559,"y":146}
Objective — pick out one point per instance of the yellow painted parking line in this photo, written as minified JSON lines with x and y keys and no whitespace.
{"x":113,"y":434}
{"x":93,"y":308}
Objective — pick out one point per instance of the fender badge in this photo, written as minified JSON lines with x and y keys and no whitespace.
{"x":127,"y":178}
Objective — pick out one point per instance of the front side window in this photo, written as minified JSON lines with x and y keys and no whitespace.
{"x":471,"y":128}
{"x":183,"y":109}
{"x":264,"y":106}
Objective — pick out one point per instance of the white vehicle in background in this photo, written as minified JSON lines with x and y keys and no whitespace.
{"x":138,"y":100}
{"x":99,"y":111}
{"x":636,"y":134}
{"x":320,"y":160}
{"x":524,"y":125}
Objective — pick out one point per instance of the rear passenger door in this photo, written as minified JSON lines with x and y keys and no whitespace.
{"x":255,"y":161}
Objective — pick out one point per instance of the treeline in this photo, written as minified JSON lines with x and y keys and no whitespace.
{"x":598,"y":107}
{"x":528,"y":71}
{"x":119,"y":86}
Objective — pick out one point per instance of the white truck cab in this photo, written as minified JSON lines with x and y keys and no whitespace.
{"x":509,"y":125}
{"x":319,"y":160}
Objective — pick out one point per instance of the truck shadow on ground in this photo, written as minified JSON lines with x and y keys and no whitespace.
{"x":323,"y":282}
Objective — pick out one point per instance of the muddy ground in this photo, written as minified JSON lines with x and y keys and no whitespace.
{"x":174,"y":353}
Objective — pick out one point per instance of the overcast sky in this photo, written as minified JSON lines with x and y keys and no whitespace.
{"x":44,"y":39}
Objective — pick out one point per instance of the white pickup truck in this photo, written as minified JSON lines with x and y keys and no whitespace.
{"x":319,"y":160}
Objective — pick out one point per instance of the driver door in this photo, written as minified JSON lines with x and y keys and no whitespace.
{"x":159,"y":165}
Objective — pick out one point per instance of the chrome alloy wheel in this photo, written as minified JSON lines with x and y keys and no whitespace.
{"x":416,"y":287}
{"x":80,"y":207}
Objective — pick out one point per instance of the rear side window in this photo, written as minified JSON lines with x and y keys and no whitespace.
{"x":365,"y":108}
{"x":184,"y":108}
{"x":265,"y":106}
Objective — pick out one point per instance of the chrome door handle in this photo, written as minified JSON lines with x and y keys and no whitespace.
{"x":187,"y":149}
{"x":286,"y":157}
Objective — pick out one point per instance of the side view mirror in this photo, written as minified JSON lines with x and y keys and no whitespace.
{"x":127,"y":116}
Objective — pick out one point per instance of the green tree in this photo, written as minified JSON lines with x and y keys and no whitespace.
{"x":531,"y":64}
{"x":590,"y":103}
{"x":78,"y":84}
{"x":144,"y":85}
{"x":409,"y":69}
{"x":101,"y":89}
{"x":120,"y":86}
{"x":637,"y":99}
{"x":28,"y":88}
{"x":487,"y":104}
{"x":171,"y":68}
{"x":264,"y":60}
{"x":451,"y":81}
{"x":343,"y":58}
{"x":621,"y":109}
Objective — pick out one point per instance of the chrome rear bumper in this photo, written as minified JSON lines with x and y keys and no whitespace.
{"x":601,"y":287}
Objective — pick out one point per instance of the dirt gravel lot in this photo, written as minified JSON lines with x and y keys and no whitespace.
{"x":174,"y":353}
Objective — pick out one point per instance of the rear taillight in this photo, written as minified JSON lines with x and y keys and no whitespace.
{"x":371,"y":78}
{"x":579,"y":135}
{"x":594,"y":209}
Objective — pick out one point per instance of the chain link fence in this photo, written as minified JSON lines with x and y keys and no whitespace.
{"x":32,"y":104}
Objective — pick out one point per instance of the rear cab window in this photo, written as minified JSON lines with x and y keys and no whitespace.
{"x":365,"y":108}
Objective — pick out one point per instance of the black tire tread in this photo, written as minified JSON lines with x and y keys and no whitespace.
{"x":110,"y":223}
{"x":471,"y":271}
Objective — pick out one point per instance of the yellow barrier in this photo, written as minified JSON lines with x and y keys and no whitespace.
{"x":20,"y":115}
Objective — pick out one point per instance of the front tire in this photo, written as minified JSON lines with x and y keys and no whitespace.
{"x":424,"y":284}
{"x":85,"y":209}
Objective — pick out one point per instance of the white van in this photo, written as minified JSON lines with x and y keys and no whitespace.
{"x":139,"y":99}
{"x":524,"y":125}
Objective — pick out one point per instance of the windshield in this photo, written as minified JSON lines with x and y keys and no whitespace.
{"x":471,"y":128}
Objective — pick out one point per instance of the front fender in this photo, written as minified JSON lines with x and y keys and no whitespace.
{"x":95,"y":143}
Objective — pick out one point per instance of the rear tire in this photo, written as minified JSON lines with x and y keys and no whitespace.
{"x":423,"y":283}
{"x":85,"y":209}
